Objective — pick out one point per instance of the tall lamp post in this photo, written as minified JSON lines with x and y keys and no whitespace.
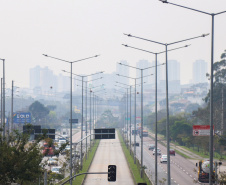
{"x":127,"y":111}
{"x":86,"y":105}
{"x":70,"y":62}
{"x":83,"y":76}
{"x":156,"y":60}
{"x":141,"y":70}
{"x":134,"y":112}
{"x":167,"y":100}
{"x":3,"y":97}
{"x":211,"y":79}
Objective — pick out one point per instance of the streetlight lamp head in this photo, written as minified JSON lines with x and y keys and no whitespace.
{"x":45,"y":55}
{"x":129,"y":35}
{"x":125,"y":45}
{"x":204,"y":35}
{"x":187,"y":45}
{"x":163,"y":1}
{"x":97,"y":55}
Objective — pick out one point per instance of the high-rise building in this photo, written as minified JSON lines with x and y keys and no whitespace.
{"x":122,"y":70}
{"x":142,"y":64}
{"x":173,"y":77}
{"x":199,"y":71}
{"x":63,"y":83}
{"x":35,"y":77}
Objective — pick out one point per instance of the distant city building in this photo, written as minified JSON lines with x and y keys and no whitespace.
{"x":142,"y":64}
{"x":43,"y":81}
{"x":35,"y":77}
{"x":173,"y":77}
{"x":109,"y":80}
{"x":122,"y":70}
{"x":199,"y":71}
{"x":63,"y":83}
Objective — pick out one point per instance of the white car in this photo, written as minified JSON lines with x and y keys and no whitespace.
{"x":52,"y":161}
{"x":163,"y":159}
{"x":158,"y":151}
{"x":56,"y":169}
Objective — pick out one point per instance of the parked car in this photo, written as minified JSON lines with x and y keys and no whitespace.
{"x":158,"y":151}
{"x":67,"y":148}
{"x":172,"y":152}
{"x":56,"y":169}
{"x":163,"y":159}
{"x":151,"y":147}
{"x":52,"y":161}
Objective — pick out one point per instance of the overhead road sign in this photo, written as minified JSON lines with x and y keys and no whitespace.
{"x":104,"y":133}
{"x":73,"y":120}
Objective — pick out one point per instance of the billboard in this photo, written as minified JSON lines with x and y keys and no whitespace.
{"x":22,"y":117}
{"x":201,"y":130}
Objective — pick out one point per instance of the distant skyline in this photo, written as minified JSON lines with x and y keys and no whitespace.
{"x":73,"y":30}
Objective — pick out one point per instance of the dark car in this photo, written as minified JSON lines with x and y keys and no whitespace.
{"x":172,"y":152}
{"x":137,"y":144}
{"x":151,"y":147}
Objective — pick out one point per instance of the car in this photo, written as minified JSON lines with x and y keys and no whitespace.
{"x":151,"y":147}
{"x":158,"y":151}
{"x":163,"y":159}
{"x":172,"y":152}
{"x":137,"y":144}
{"x":67,"y":148}
{"x":52,"y":161}
{"x":56,"y":169}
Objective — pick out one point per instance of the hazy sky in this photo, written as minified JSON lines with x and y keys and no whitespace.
{"x":76,"y":29}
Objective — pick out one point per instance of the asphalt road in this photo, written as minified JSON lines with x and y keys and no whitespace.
{"x":109,"y":152}
{"x":182,"y":170}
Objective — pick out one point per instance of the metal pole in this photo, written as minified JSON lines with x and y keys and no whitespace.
{"x":167,"y":122}
{"x":86,"y":118}
{"x":3,"y":115}
{"x":81,"y":126}
{"x":211,"y":103}
{"x":1,"y":104}
{"x":135,"y":124}
{"x":127,"y":121}
{"x":130,"y":123}
{"x":71,"y":129}
{"x":93,"y":108}
{"x":156,"y":161}
{"x":90,"y":116}
{"x":12,"y":109}
{"x":141,"y":134}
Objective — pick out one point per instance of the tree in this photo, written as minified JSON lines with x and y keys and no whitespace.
{"x":20,"y":159}
{"x":38,"y":111}
{"x":219,"y":94}
{"x":108,"y":120}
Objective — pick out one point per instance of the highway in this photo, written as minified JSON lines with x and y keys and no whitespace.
{"x":109,"y":152}
{"x":181,"y":169}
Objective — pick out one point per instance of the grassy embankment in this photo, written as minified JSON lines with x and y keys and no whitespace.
{"x":134,"y":168}
{"x":86,"y":165}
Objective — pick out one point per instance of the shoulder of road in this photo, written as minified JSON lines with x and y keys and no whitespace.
{"x":190,"y":155}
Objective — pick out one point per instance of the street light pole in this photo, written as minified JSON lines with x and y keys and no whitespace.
{"x":156,"y":126}
{"x":167,"y":99}
{"x":211,"y":79}
{"x":141,"y":70}
{"x":70,"y":62}
{"x":3,"y":103}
